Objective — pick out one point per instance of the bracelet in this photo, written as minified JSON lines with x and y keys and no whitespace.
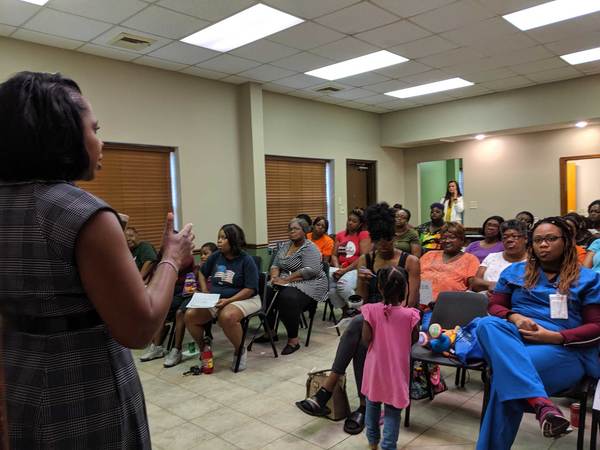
{"x":170,"y":263}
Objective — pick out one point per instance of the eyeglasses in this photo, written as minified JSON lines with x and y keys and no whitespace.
{"x":547,"y":239}
{"x":514,"y":237}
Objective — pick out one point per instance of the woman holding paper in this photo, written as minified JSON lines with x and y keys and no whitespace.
{"x":234,"y":277}
{"x":542,"y":335}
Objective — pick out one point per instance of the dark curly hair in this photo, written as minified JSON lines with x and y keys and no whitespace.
{"x":381,"y":223}
{"x":392,"y":282}
{"x":582,"y":234}
{"x":41,"y":131}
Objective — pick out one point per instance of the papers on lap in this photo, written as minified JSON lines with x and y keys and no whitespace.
{"x":201,"y":300}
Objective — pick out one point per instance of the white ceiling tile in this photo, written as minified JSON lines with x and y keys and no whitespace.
{"x":46,"y":39}
{"x":364,"y":79}
{"x":434,"y":98}
{"x":228,"y":64}
{"x":393,"y":34}
{"x":303,"y":62}
{"x":424,"y":47}
{"x":66,"y":25}
{"x":306,"y":36}
{"x":510,"y":6}
{"x":15,"y":12}
{"x":488,"y":29}
{"x":515,"y":41}
{"x":330,"y":99}
{"x":278,"y":88}
{"x":309,"y":9}
{"x":408,"y":8}
{"x":183,"y":53}
{"x":300,"y":81}
{"x":375,"y":109}
{"x":575,"y":44}
{"x":589,"y":68}
{"x":387,"y":86}
{"x":375,"y":99}
{"x":397,"y":105}
{"x":452,"y":16}
{"x":264,"y":51}
{"x":346,"y":48}
{"x":354,"y":19}
{"x":352,"y":94}
{"x":538,"y":66}
{"x":205,"y":73}
{"x":305,"y":94}
{"x":477,"y":65}
{"x":469,"y":91}
{"x":158,"y":63}
{"x":234,"y":79}
{"x":404,"y":69}
{"x":106,"y":52}
{"x":425,"y":77}
{"x":107,"y":37}
{"x":166,"y":23}
{"x":508,"y":83}
{"x":267,"y":72}
{"x":5,"y":30}
{"x":521,"y":56}
{"x":554,"y":74}
{"x":451,"y":57}
{"x":113,"y":11}
{"x":566,"y":29}
{"x":210,"y":10}
{"x":479,"y":77}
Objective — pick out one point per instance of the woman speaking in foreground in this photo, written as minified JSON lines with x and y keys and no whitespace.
{"x":542,"y":335}
{"x":71,"y":297}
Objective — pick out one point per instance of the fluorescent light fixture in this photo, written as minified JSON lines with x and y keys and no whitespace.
{"x":583,"y":56}
{"x":354,"y":66}
{"x":430,"y":88}
{"x":242,"y":28}
{"x":480,"y":137}
{"x":581,"y":124}
{"x":551,"y":12}
{"x":36,"y":2}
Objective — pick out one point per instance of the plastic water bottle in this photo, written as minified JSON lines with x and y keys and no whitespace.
{"x":208,"y":364}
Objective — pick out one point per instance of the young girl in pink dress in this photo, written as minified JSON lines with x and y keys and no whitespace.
{"x":388,"y":330}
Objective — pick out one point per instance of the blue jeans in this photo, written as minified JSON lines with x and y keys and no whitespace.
{"x":391,"y":425}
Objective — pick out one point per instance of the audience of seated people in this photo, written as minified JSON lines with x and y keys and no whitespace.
{"x":143,"y":252}
{"x":492,"y":239}
{"x":406,"y":238}
{"x":321,"y":239}
{"x":297,"y":283}
{"x":234,"y":276}
{"x":349,"y":245}
{"x":429,"y":232}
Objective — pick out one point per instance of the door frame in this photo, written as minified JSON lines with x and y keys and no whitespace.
{"x":563,"y":177}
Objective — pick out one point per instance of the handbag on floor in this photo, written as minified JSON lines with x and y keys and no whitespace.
{"x":338,"y":403}
{"x":418,"y":384}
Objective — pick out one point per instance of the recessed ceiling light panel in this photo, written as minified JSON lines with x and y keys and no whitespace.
{"x":242,"y":28}
{"x":354,"y":66}
{"x":430,"y":88}
{"x":551,"y":12}
{"x":581,"y":124}
{"x":584,"y":56}
{"x":36,"y":2}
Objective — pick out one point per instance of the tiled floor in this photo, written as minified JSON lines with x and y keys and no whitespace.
{"x":255,"y":409}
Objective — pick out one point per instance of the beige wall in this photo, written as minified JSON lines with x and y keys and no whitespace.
{"x":507,"y":174}
{"x":143,"y":105}
{"x":298,"y":127}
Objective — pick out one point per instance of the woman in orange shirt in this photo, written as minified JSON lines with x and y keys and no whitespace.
{"x":320,"y":238}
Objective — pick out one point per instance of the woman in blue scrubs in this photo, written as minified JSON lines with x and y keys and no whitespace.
{"x":542,"y":336}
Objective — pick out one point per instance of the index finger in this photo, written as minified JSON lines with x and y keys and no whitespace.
{"x":187,"y":229}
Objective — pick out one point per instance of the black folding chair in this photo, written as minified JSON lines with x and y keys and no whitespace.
{"x":262,"y":315}
{"x":327,"y":304}
{"x":451,"y":309}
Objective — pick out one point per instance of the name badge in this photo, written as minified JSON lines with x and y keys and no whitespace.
{"x":559,"y":308}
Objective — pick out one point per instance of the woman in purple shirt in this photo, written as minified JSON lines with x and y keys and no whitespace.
{"x":492,"y":240}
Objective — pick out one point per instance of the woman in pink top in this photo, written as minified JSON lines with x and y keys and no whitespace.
{"x":388,"y":330}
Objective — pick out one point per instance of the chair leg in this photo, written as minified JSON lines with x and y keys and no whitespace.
{"x":428,"y":378}
{"x":310,"y":325}
{"x":171,"y":340}
{"x":594,"y":430}
{"x":407,"y":413}
{"x":581,"y":425}
{"x":334,"y":320}
{"x":457,"y":377}
{"x":486,"y":394}
{"x":267,"y":328}
{"x":245,"y":324}
{"x":463,"y":378}
{"x":326,"y":304}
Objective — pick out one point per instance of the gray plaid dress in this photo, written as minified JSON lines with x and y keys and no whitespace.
{"x":70,"y":390}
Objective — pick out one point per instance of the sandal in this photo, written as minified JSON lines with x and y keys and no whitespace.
{"x":289,"y":349}
{"x":311,"y":407}
{"x":355,"y":423}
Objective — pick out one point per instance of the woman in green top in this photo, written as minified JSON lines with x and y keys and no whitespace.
{"x":405,"y":237}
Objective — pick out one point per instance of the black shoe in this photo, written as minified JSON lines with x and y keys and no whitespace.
{"x":289,"y":349}
{"x":264,"y":339}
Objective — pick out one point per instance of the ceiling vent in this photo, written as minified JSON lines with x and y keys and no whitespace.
{"x":131,"y":41}
{"x":328,"y":89}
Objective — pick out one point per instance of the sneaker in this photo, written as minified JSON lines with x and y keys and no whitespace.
{"x":552,"y":421}
{"x":153,"y":352}
{"x":173,"y":358}
{"x":243,"y":362}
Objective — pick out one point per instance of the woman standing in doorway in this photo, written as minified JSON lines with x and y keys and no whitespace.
{"x":453,"y":203}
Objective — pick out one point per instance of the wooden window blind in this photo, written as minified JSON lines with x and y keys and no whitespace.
{"x":294,"y":186}
{"x":137,"y":182}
